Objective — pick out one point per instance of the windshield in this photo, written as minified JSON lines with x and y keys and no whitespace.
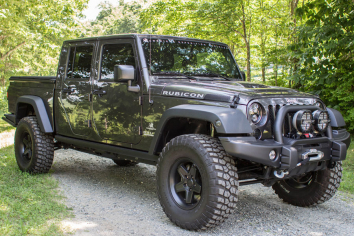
{"x":181,"y":57}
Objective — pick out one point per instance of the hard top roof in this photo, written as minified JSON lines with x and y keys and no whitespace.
{"x":122,"y":36}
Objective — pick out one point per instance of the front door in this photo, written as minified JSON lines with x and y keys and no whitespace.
{"x":116,"y":111}
{"x":76,"y":89}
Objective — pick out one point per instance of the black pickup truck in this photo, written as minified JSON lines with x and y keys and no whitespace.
{"x":183,"y":105}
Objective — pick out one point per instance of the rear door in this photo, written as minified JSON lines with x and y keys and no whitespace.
{"x":76,"y":89}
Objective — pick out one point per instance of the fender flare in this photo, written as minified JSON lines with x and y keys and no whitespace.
{"x":336,"y":118}
{"x":40,"y":109}
{"x":233,"y":121}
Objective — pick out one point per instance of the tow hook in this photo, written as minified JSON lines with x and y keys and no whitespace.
{"x":280,"y":174}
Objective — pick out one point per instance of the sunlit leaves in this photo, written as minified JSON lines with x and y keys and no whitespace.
{"x":325,"y":52}
{"x":31,"y":33}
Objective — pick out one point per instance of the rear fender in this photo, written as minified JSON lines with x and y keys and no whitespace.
{"x":41,"y":112}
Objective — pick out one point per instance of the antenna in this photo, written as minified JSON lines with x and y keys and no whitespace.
{"x":150,"y":101}
{"x":150,"y":44}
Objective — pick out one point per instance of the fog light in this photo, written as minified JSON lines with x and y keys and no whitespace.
{"x":272,"y":155}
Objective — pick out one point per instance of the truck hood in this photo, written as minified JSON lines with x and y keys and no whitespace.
{"x":223,"y":91}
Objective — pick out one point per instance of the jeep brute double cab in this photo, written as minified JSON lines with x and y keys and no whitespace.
{"x":181,"y":104}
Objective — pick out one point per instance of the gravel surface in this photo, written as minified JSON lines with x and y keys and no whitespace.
{"x":112,"y":200}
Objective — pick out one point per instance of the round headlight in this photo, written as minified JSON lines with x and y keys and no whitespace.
{"x":319,"y":104}
{"x":255,"y":112}
{"x":321,"y":120}
{"x":302,"y":121}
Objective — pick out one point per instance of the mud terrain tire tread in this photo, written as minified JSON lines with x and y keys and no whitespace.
{"x":223,"y":180}
{"x":43,"y":153}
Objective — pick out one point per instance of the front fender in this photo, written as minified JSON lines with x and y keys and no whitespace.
{"x":233,"y":121}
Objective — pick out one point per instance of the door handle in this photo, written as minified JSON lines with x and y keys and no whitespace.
{"x":99,"y":92}
{"x":69,"y":90}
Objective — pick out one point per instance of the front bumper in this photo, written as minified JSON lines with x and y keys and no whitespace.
{"x":290,"y":152}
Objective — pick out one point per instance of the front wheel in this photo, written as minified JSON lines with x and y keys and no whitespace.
{"x":311,"y":188}
{"x":197,"y":182}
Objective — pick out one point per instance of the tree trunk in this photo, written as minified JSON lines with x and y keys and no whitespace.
{"x":247,"y":44}
{"x":248,"y":62}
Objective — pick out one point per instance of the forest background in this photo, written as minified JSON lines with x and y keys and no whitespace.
{"x":306,"y":45}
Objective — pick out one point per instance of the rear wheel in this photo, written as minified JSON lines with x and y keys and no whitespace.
{"x":310,"y":189}
{"x":197,"y":182}
{"x":34,"y":150}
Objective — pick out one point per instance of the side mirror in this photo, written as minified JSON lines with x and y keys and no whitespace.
{"x":243,"y":75}
{"x":123,"y":73}
{"x":126,"y":73}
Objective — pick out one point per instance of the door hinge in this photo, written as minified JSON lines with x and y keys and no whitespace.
{"x":89,"y":123}
{"x":140,"y":100}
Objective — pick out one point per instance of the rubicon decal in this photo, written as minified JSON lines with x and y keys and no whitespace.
{"x":183,"y":94}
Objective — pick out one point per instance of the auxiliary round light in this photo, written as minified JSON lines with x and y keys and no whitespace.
{"x":321,"y":120}
{"x":255,"y":112}
{"x":302,"y":121}
{"x":272,"y":155}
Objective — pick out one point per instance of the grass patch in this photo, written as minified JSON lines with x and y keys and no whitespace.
{"x":29,"y":204}
{"x":348,"y":171}
{"x":4,"y":126}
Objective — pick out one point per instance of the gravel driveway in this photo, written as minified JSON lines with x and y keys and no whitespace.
{"x":112,"y":200}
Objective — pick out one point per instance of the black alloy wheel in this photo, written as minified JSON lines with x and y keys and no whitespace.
{"x":185,"y":183}
{"x":26,"y":147}
{"x":301,"y":181}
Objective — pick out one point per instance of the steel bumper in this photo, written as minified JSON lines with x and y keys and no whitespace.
{"x":291,"y":152}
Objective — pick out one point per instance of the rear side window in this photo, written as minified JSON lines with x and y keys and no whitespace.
{"x":115,"y":54}
{"x":79,"y":66}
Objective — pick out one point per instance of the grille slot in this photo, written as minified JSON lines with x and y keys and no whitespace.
{"x":287,"y":125}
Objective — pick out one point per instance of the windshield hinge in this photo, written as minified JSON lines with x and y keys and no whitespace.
{"x":235,"y":101}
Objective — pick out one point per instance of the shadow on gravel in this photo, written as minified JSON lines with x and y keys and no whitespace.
{"x":111,"y":200}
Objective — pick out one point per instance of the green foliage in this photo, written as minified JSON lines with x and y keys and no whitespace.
{"x":3,"y":101}
{"x":324,"y":52}
{"x":31,"y":34}
{"x":348,"y":171}
{"x":123,"y":18}
{"x":29,"y":204}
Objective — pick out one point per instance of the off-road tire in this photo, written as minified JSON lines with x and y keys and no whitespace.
{"x":41,"y":146}
{"x":125,"y":163}
{"x":218,"y":174}
{"x":324,"y":185}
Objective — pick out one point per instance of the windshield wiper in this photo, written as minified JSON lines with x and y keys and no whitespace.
{"x":173,"y":73}
{"x":213,"y":75}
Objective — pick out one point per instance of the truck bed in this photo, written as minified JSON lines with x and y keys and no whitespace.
{"x":41,"y":86}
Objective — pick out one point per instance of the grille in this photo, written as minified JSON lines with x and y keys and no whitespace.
{"x":287,"y":125}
